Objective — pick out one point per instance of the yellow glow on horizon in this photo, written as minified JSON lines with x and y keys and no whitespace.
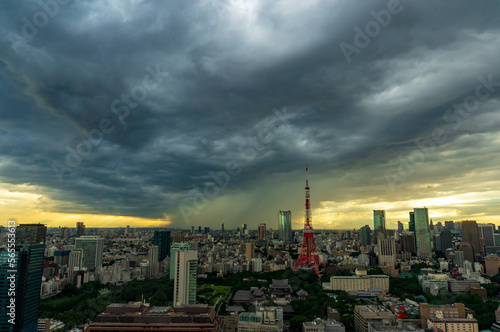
{"x":356,"y":213}
{"x":30,"y":204}
{"x":55,"y":219}
{"x":25,"y":204}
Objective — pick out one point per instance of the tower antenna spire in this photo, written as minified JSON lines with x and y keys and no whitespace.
{"x":309,"y":257}
{"x":307,"y":179}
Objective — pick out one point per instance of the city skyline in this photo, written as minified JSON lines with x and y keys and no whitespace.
{"x":204,"y":113}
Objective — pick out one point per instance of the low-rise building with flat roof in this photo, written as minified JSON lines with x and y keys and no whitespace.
{"x":320,"y":325}
{"x":364,"y":314}
{"x":137,"y":317}
{"x":347,"y":283}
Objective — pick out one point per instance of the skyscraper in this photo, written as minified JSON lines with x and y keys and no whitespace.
{"x":262,"y":231}
{"x":387,"y":251}
{"x":365,"y":235}
{"x":176,"y":247}
{"x":61,"y":257}
{"x":31,"y":234}
{"x":470,"y":234}
{"x":422,"y":233}
{"x":250,"y":250}
{"x":25,"y":279}
{"x":93,"y":247}
{"x":179,"y":236}
{"x":459,"y":258}
{"x":445,"y":240}
{"x":411,"y":225}
{"x":75,"y":262}
{"x":222,"y":228}
{"x":486,"y":232}
{"x":161,"y":239}
{"x":408,"y":243}
{"x":80,"y":229}
{"x":378,"y":221}
{"x":468,"y":251}
{"x":400,"y":227}
{"x":153,"y":261}
{"x":285,"y":226}
{"x":185,"y":277}
{"x":449,"y":224}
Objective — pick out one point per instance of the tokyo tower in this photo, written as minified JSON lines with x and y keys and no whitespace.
{"x":308,"y":255}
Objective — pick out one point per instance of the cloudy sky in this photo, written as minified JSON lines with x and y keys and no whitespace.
{"x":197,"y":113}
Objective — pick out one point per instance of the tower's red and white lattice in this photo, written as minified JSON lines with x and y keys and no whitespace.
{"x":309,"y":257}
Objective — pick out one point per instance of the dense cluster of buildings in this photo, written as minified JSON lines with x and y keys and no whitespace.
{"x":463,"y":253}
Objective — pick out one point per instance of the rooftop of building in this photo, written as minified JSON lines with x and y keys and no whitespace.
{"x":454,"y":320}
{"x":361,"y":277}
{"x":320,"y":322}
{"x":371,"y":308}
{"x":200,"y":313}
{"x":393,"y":326}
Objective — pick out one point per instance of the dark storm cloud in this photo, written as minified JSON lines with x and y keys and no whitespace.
{"x":227,"y":65}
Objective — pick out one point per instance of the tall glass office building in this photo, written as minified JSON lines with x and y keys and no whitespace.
{"x":423,"y":233}
{"x":26,"y":282}
{"x":378,"y":221}
{"x":162,"y":240}
{"x":365,"y":235}
{"x":411,"y":225}
{"x":285,"y":226}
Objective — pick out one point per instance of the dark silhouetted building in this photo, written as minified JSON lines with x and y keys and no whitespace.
{"x":445,"y":240}
{"x":80,"y":229}
{"x":161,"y":239}
{"x":365,"y":235}
{"x":408,"y":243}
{"x":470,"y":235}
{"x":31,"y":234}
{"x":411,"y":225}
{"x":262,"y":231}
{"x":24,"y":277}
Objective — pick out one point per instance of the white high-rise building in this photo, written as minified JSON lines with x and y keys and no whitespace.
{"x":386,"y":251}
{"x":75,"y":261}
{"x":173,"y":250}
{"x":185,"y":277}
{"x":153,"y":261}
{"x":256,"y":265}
